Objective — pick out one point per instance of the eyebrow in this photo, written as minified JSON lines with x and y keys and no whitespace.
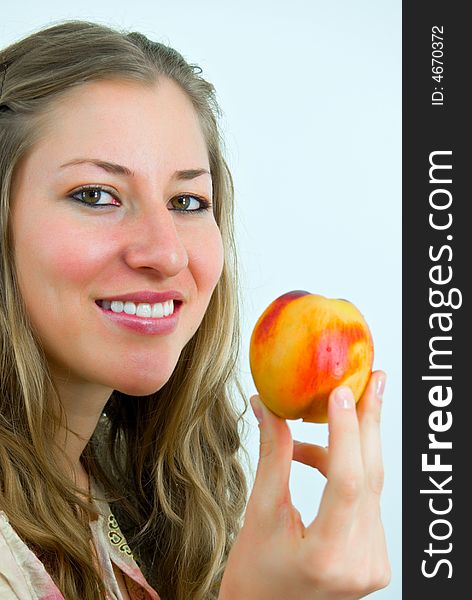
{"x":116,"y":169}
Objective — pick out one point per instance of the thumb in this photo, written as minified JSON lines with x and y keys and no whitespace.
{"x":275,"y":455}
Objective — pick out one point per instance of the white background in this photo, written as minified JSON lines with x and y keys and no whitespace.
{"x":311,"y":95}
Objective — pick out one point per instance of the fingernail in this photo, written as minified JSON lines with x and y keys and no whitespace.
{"x":344,"y":397}
{"x":257,"y":408}
{"x":380,"y":386}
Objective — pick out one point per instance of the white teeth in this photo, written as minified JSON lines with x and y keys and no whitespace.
{"x":130,"y":308}
{"x":159,"y":310}
{"x":117,"y":306}
{"x":142,"y":309}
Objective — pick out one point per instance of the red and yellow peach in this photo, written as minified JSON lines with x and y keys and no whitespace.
{"x":302,"y":347}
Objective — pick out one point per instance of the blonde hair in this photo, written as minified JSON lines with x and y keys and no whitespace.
{"x":176,"y":451}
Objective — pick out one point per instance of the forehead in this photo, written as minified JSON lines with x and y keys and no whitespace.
{"x":125,"y":122}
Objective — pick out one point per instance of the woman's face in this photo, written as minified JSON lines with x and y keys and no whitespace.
{"x":69,"y":254}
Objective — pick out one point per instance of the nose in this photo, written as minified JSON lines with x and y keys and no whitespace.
{"x":155,"y":243}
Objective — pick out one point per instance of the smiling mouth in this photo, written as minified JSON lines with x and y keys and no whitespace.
{"x":140,"y":310}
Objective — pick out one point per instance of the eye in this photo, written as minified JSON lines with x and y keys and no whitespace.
{"x":185,"y":201}
{"x":91,"y":195}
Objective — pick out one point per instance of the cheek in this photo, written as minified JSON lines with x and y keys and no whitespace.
{"x":51,"y":258}
{"x":206,"y":259}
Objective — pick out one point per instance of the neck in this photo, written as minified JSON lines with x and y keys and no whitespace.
{"x":82,"y":404}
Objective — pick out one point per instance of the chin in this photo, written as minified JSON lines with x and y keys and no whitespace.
{"x":142,"y":387}
{"x":141,"y":377}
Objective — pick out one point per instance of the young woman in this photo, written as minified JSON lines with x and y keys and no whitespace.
{"x":119,"y":341}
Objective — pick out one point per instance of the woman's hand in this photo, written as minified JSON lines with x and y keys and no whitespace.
{"x":342,"y":554}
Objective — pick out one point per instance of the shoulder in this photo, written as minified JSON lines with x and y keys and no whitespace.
{"x":6,"y":590}
{"x":13,"y":583}
{"x":22,"y":575}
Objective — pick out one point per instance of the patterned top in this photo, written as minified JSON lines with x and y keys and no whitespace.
{"x":24,"y":577}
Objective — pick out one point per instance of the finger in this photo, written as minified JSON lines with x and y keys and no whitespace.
{"x":312,"y":455}
{"x":345,"y":469}
{"x":368,"y":410}
{"x":271,"y":485}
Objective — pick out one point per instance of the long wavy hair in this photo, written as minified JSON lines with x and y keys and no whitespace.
{"x":177,"y":453}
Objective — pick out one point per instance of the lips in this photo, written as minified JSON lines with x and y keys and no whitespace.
{"x":143,"y":325}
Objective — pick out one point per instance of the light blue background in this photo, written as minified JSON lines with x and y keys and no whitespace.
{"x":311,"y":94}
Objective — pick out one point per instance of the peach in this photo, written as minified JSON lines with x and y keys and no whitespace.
{"x":302,"y":347}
